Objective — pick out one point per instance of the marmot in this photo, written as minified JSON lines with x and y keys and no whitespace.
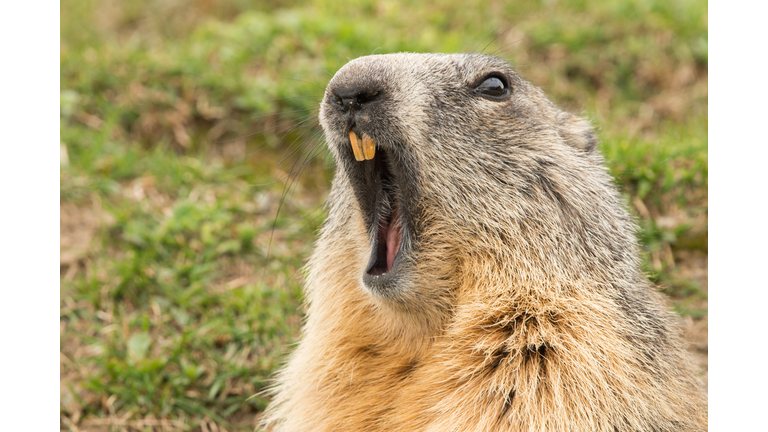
{"x":477,"y":270}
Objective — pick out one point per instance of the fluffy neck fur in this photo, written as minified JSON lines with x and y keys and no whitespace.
{"x":515,"y":351}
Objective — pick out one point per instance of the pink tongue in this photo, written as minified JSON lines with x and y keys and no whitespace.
{"x":394,"y":235}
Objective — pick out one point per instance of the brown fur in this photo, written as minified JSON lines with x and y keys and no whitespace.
{"x":521,"y":306}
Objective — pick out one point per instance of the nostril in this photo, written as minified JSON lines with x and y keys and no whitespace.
{"x":354,"y":98}
{"x":350,"y":103}
{"x":364,"y":98}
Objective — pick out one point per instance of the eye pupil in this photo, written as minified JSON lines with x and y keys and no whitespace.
{"x":492,"y":86}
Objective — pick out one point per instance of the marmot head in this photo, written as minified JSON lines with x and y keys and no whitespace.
{"x":457,"y":165}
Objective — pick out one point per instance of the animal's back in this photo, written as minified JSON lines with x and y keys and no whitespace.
{"x":477,"y":270}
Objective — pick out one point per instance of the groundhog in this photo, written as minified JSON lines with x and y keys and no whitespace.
{"x":477,"y":270}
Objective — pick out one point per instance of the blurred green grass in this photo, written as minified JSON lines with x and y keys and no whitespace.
{"x":180,"y":290}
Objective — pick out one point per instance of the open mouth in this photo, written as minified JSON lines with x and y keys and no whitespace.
{"x":379,"y":198}
{"x":389,"y":236}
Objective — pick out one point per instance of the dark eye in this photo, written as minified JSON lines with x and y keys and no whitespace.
{"x":492,"y":86}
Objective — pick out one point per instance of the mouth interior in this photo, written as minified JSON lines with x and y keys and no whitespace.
{"x":389,"y":235}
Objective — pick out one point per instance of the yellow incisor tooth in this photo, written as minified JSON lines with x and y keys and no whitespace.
{"x":357,"y":146}
{"x":369,"y":147}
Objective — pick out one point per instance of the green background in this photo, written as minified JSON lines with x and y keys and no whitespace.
{"x":192,"y":184}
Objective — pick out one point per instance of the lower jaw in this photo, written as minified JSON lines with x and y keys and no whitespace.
{"x":387,"y":267}
{"x":387,"y":284}
{"x":385,"y":279}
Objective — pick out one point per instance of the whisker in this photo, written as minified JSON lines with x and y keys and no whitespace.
{"x":310,"y":97}
{"x":287,"y":154}
{"x":308,"y":82}
{"x":323,"y":211}
{"x":315,"y":136}
{"x":289,"y":188}
{"x":283,"y":112}
{"x":289,"y":122}
{"x":501,"y":49}
{"x":486,"y":46}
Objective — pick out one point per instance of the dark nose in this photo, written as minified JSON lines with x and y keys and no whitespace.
{"x":354,"y":98}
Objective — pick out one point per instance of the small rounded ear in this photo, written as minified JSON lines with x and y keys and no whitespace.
{"x":577,"y":132}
